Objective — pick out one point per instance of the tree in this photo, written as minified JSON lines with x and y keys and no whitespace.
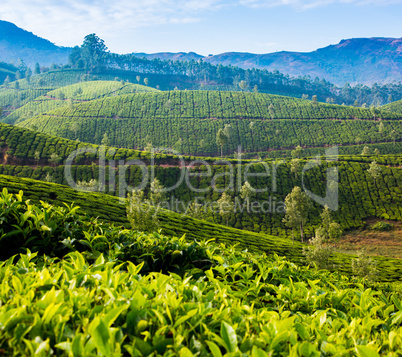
{"x":1,"y":110}
{"x":37,"y":156}
{"x":93,"y":52}
{"x":381,"y":127}
{"x":366,"y":151}
{"x":297,"y":205}
{"x":297,"y":152}
{"x":246,"y":193}
{"x":138,"y":78}
{"x":139,"y":213}
{"x":226,"y":207}
{"x":242,"y":85}
{"x":195,"y":210}
{"x":364,"y":266}
{"x":221,"y":139}
{"x":148,"y":147}
{"x":329,"y":229}
{"x":374,"y":111}
{"x":54,"y":159}
{"x":156,"y":195}
{"x":28,"y":75}
{"x":105,"y":140}
{"x":356,"y":103}
{"x":255,"y":89}
{"x":146,"y":81}
{"x":318,"y":253}
{"x":49,"y":177}
{"x":314,"y":100}
{"x":295,"y":166}
{"x":376,"y":151}
{"x":374,"y":171}
{"x":37,"y":68}
{"x":305,"y":96}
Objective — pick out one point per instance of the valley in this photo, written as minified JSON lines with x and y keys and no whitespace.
{"x":137,"y":219}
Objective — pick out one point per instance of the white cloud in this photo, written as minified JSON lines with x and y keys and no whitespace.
{"x":308,"y":4}
{"x":66,"y":22}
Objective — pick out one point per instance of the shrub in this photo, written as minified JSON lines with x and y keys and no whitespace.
{"x":382,"y":226}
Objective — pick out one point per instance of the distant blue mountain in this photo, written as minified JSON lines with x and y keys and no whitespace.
{"x":16,"y":43}
{"x":357,"y":60}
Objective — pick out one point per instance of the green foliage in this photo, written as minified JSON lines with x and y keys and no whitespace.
{"x":374,"y":171}
{"x":364,"y":266}
{"x":110,"y":209}
{"x":318,"y":253}
{"x":128,"y":293}
{"x":382,"y":226}
{"x":140,"y":214}
{"x":297,"y":206}
{"x":226,"y":207}
{"x":146,"y":115}
{"x":41,"y":101}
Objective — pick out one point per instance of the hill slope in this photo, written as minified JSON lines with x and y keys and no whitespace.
{"x":110,"y":208}
{"x":16,"y":43}
{"x":395,"y":107}
{"x":188,"y":121}
{"x":73,"y":94}
{"x":26,"y":153}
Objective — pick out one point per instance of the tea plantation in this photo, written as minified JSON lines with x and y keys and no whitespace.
{"x":87,"y":288}
{"x":188,"y":121}
{"x":66,"y":96}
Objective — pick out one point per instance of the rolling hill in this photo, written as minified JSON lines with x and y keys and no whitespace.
{"x":71,"y":95}
{"x":25,"y":153}
{"x":394,"y":107}
{"x":109,"y":208}
{"x":189,"y":120}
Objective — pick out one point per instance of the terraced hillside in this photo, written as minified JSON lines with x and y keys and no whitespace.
{"x":189,"y":121}
{"x":109,"y":208}
{"x":23,"y":146}
{"x":395,"y":107}
{"x":41,"y":101}
{"x":42,"y":157}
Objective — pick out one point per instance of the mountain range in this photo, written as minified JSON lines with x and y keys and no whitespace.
{"x":357,"y":60}
{"x":16,"y":44}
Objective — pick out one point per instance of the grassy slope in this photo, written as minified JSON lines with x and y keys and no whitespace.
{"x":359,"y":197}
{"x":394,"y":107}
{"x":77,"y":93}
{"x":189,"y":121}
{"x":19,"y":145}
{"x":109,"y":208}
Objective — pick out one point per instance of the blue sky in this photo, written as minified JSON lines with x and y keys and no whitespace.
{"x":206,"y":26}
